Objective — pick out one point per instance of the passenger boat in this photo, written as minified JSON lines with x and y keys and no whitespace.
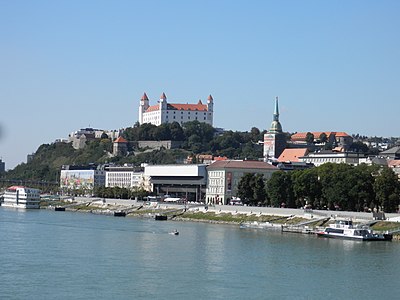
{"x":344,"y":229}
{"x":21,"y":197}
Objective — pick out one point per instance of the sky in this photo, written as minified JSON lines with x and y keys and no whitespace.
{"x":66,"y":65}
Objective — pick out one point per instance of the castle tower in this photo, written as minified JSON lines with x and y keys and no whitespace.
{"x":144,"y":105}
{"x":274,"y":139}
{"x":210,"y":103}
{"x":120,"y":147}
{"x":163,"y":102}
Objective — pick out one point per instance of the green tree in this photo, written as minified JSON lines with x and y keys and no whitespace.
{"x":245,"y":190}
{"x":323,"y":137}
{"x":386,"y":187}
{"x":280,"y":189}
{"x":309,"y":138}
{"x":307,"y":188}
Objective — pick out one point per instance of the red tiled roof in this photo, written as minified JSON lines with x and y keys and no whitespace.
{"x":394,"y":163}
{"x":175,"y":106}
{"x":302,"y":135}
{"x":14,"y":187}
{"x":198,"y":106}
{"x":120,"y":140}
{"x":292,"y":154}
{"x":241,"y":164}
{"x":153,"y":108}
{"x":341,"y":134}
{"x":220,"y":158}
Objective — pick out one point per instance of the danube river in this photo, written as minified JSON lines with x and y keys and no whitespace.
{"x":63,"y":255}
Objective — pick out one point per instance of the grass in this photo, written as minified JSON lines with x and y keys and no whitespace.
{"x":239,"y":218}
{"x":386,"y":226}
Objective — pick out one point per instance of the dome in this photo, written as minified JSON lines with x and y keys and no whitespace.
{"x":275,"y":127}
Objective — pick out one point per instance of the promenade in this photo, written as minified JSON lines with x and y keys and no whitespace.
{"x":249,"y":210}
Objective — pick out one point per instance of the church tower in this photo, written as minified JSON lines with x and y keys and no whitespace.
{"x":274,"y":139}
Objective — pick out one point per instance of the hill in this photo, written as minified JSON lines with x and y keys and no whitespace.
{"x":198,"y":138}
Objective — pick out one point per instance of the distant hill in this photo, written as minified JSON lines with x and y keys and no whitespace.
{"x":198,"y":138}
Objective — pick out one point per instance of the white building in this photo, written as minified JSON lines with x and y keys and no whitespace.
{"x":165,"y":112}
{"x":126,"y":177}
{"x":185,"y":181}
{"x":325,"y":156}
{"x":224,"y":176}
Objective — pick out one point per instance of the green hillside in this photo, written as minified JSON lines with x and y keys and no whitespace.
{"x":198,"y":138}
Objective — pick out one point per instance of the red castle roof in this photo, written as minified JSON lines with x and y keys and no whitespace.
{"x":120,"y":140}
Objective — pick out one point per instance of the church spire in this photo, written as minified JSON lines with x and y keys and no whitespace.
{"x":276,"y":112}
{"x":276,"y":126}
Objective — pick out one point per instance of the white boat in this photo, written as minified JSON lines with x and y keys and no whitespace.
{"x":344,"y":229}
{"x":175,"y":232}
{"x":21,"y":197}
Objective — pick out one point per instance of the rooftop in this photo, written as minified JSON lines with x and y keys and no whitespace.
{"x":241,"y":164}
{"x":292,"y":155}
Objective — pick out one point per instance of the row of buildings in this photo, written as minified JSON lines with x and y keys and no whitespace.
{"x":215,"y":183}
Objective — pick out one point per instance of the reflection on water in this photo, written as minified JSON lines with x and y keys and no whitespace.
{"x":84,"y":256}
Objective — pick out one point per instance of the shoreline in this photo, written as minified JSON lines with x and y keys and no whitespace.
{"x":218,"y":214}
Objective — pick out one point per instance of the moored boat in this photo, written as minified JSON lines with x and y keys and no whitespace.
{"x":344,"y":229}
{"x":159,"y":217}
{"x":21,"y":197}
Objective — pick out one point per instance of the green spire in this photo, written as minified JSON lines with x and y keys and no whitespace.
{"x":276,"y":127}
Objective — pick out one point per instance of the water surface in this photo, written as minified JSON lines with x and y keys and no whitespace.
{"x":63,"y":255}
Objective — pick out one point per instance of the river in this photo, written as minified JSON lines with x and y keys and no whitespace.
{"x":64,"y":255}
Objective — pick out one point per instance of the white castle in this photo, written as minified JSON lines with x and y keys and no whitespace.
{"x":165,"y":112}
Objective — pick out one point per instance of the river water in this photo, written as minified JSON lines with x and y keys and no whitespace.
{"x":63,"y":255}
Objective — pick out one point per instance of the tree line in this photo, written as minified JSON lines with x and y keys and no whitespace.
{"x":329,"y":186}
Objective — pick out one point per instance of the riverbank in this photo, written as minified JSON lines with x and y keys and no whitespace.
{"x":218,"y":214}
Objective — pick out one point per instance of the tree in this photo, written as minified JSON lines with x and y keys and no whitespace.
{"x":245,"y":190}
{"x":306,"y":188}
{"x":104,"y":135}
{"x":280,"y":189}
{"x":387,"y":189}
{"x":309,"y":138}
{"x":251,"y":189}
{"x":259,"y":193}
{"x":323,"y":137}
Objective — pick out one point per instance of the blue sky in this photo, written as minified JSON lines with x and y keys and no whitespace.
{"x":66,"y":65}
